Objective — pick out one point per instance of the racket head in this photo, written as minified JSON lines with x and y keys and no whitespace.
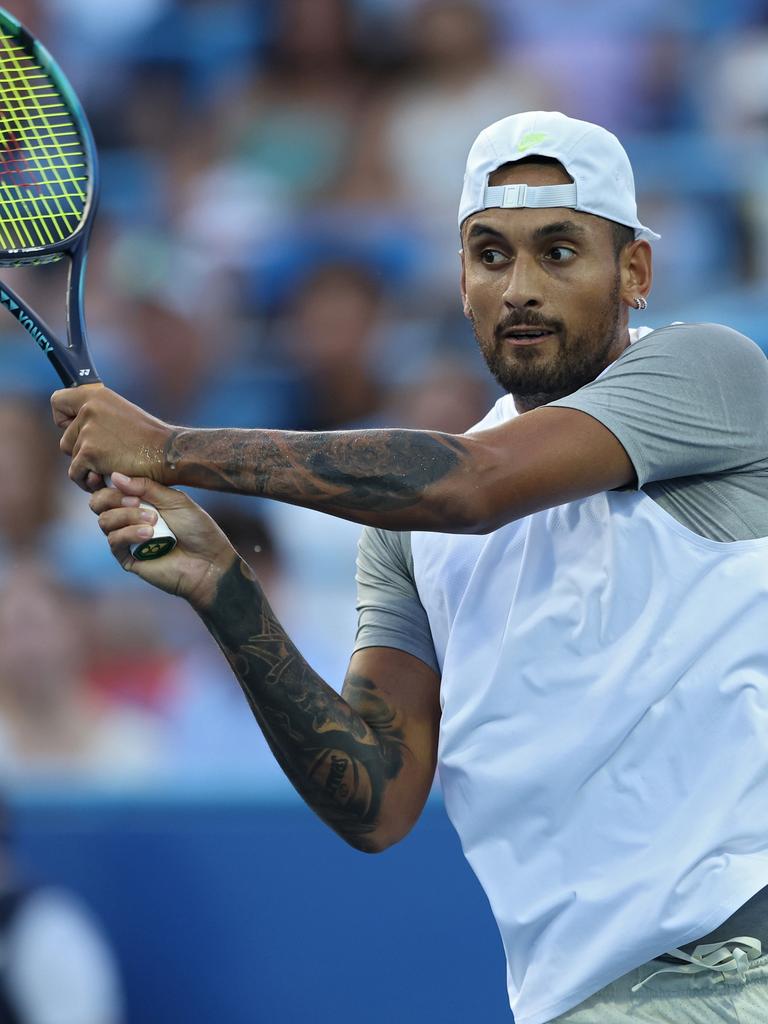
{"x":48,"y":163}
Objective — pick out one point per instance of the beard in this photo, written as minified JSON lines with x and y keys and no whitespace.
{"x":580,"y":357}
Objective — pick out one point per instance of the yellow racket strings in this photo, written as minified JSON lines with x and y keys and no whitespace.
{"x":42,"y":157}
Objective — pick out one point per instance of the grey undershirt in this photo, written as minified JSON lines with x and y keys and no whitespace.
{"x":689,"y":404}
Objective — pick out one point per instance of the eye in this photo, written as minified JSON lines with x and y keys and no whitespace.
{"x":561,"y":254}
{"x":488,"y":256}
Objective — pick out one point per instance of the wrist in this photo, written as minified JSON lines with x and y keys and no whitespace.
{"x":213,"y":459}
{"x":203,"y":597}
{"x":170,"y":471}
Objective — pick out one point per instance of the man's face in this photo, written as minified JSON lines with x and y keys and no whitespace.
{"x":542,"y":289}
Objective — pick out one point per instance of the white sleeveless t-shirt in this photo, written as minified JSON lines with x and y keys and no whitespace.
{"x":604,"y":739}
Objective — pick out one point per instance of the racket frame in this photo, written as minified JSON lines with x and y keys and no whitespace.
{"x":72,"y":361}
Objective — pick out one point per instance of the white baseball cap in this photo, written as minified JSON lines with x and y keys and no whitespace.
{"x":603,"y":183}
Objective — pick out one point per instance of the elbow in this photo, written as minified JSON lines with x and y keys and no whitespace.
{"x":372,"y":843}
{"x":479,"y":515}
{"x":464,"y":513}
{"x":477,"y":505}
{"x":375,"y":840}
{"x":369,"y":846}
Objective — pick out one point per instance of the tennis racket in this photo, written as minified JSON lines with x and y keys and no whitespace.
{"x":49,"y":184}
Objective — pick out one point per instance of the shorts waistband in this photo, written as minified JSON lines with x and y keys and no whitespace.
{"x":714,"y":956}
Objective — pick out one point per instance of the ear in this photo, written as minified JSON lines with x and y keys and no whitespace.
{"x":463,"y":286}
{"x":636,"y":268}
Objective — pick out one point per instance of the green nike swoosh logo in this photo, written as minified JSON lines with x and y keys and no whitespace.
{"x":530,"y":140}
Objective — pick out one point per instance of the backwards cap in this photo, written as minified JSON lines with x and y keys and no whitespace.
{"x":603,"y":183}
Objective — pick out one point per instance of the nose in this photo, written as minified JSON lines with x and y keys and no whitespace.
{"x":523,"y":284}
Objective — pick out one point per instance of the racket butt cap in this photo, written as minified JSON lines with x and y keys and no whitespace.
{"x":160,"y":543}
{"x":155,"y":547}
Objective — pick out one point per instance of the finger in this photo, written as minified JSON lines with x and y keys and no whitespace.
{"x":114,"y":519}
{"x":108,"y":497}
{"x":120,"y":542}
{"x":68,"y":439}
{"x":94,"y":481}
{"x":79,"y":470}
{"x":150,"y":491}
{"x":65,"y":405}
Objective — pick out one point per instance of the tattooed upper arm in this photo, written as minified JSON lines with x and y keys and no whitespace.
{"x":398,"y":696}
{"x":363,"y":761}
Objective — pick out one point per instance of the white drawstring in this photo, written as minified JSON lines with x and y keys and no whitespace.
{"x":714,"y":956}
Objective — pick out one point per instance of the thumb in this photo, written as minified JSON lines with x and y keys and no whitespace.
{"x":149,"y":491}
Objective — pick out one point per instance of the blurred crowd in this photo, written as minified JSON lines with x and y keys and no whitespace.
{"x":277,"y":247}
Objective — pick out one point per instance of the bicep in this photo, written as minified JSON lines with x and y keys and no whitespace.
{"x":398,"y":696}
{"x":541,"y":459}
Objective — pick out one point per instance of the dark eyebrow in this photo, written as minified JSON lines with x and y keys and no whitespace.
{"x":483,"y":229}
{"x":561,"y":227}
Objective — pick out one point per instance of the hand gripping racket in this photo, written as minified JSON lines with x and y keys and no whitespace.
{"x":49,"y":183}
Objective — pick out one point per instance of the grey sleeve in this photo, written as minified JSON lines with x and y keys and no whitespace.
{"x":389,"y":611}
{"x":685,"y":400}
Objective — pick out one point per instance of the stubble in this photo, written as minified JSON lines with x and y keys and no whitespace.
{"x":579,"y":358}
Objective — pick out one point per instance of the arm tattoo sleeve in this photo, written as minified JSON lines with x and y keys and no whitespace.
{"x":340,"y":760}
{"x":396,"y":479}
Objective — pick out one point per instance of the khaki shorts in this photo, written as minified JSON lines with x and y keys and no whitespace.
{"x":694,"y":996}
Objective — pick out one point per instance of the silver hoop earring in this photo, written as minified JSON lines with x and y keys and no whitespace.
{"x":641,"y":302}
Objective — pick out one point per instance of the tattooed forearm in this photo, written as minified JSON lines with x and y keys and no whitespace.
{"x":397,"y":479}
{"x":339,"y":759}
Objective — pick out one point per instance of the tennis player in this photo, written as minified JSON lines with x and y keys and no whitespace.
{"x":564,"y":607}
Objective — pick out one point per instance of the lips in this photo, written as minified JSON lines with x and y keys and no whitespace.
{"x":527,"y":336}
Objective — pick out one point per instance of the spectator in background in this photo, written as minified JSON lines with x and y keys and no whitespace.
{"x":29,"y":471}
{"x":53,"y":729}
{"x":734,"y":100}
{"x":296,"y":120}
{"x":298,"y":161}
{"x":174,"y":360}
{"x":601,"y":57}
{"x":735,"y":97}
{"x":329,"y":336}
{"x":56,"y":965}
{"x":194,"y":360}
{"x":458,"y":80}
{"x":447,"y":395}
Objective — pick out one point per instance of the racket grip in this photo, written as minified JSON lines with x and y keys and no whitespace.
{"x":160,"y":543}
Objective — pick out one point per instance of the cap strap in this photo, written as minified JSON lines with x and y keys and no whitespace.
{"x":537,"y":197}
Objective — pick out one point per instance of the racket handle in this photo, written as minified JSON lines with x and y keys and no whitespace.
{"x":160,"y":543}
